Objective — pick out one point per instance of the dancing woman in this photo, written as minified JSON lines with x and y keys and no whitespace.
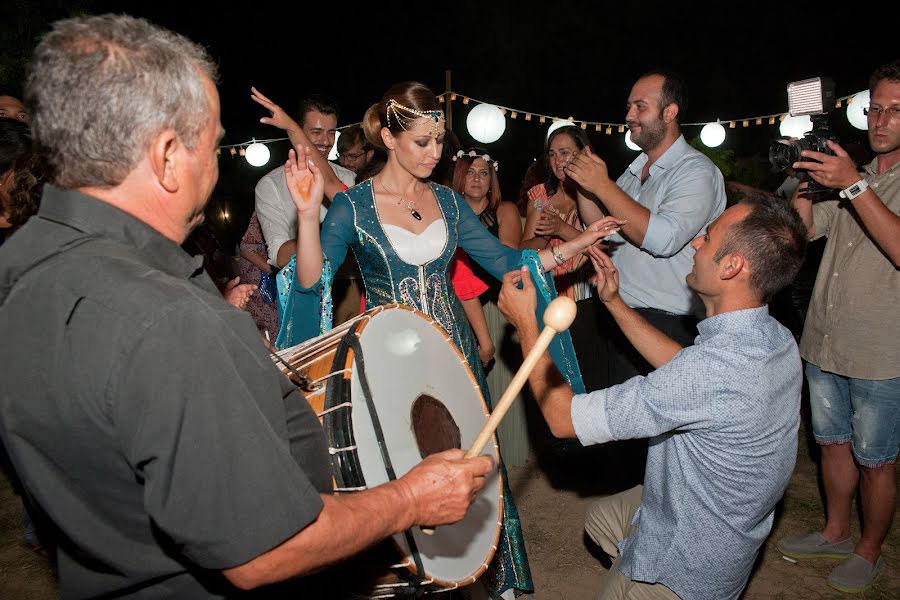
{"x":404,"y":232}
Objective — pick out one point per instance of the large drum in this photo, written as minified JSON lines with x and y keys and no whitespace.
{"x":422,"y":398}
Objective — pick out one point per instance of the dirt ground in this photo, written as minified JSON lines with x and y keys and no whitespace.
{"x":553,"y":494}
{"x":562,"y":558}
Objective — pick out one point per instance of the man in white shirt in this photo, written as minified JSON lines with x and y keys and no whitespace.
{"x":318,"y":117}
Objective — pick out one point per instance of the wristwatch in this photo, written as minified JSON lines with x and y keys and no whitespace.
{"x":854,"y":190}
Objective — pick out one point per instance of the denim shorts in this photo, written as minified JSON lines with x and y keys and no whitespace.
{"x":862,"y":411}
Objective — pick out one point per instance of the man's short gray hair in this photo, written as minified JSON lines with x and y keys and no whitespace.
{"x":102,"y":87}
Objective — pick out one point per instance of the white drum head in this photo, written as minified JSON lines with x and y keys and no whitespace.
{"x":406,"y":357}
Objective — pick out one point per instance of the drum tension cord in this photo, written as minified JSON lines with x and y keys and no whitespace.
{"x":418,"y":589}
{"x":297,"y":378}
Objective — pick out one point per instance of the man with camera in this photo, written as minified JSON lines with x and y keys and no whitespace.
{"x":850,"y":340}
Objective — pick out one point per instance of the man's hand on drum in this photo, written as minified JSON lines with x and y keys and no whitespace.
{"x":443,"y":486}
{"x":518,"y":304}
{"x":305,"y":183}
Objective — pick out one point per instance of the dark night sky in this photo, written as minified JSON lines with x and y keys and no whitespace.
{"x":557,"y":58}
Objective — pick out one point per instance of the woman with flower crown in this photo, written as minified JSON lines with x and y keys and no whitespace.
{"x":404,"y":231}
{"x":475,"y":179}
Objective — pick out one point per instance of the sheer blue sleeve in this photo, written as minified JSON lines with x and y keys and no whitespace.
{"x":483,"y":247}
{"x":498,"y":260}
{"x":305,"y":313}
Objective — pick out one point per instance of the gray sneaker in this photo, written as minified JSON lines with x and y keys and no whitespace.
{"x":855,"y":574}
{"x":813,"y":545}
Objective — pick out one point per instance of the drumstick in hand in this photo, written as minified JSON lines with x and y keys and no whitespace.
{"x":558,"y":317}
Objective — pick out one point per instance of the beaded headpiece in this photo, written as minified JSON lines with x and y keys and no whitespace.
{"x":405,"y":117}
{"x":473,"y":154}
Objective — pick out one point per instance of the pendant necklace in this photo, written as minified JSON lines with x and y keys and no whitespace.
{"x":409,"y":205}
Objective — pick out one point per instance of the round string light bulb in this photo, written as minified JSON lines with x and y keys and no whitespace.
{"x":486,"y":123}
{"x":559,"y":124}
{"x":795,"y":127}
{"x":855,"y":110}
{"x":712,"y":134}
{"x":257,"y":154}
{"x":631,"y":145}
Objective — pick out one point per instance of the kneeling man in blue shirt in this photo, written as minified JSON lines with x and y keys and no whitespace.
{"x":721,"y":415}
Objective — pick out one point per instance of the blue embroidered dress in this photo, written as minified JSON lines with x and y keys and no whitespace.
{"x":353,"y":222}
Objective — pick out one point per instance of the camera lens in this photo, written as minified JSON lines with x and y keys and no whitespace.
{"x":783,"y":154}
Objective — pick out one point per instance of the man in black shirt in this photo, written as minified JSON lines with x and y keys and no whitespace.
{"x":142,"y":412}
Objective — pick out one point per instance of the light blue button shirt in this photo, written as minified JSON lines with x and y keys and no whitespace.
{"x":722,"y":418}
{"x":684,"y":193}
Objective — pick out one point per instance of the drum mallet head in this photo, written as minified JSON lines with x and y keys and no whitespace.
{"x":560,"y":313}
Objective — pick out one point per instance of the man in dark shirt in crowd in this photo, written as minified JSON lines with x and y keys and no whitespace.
{"x":144,"y":416}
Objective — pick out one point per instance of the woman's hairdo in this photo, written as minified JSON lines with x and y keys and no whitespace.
{"x":402,"y":105}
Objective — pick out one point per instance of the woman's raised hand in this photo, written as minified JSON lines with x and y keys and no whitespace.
{"x":598,"y":230}
{"x":305,"y":182}
{"x":279,"y":118}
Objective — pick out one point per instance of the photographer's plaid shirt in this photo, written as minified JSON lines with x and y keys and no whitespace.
{"x":722,"y":418}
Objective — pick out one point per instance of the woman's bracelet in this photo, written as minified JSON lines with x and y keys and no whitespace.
{"x":557,"y":255}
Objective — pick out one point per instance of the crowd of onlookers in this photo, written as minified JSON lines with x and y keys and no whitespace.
{"x":671,"y":273}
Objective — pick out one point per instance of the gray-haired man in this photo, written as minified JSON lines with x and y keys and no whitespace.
{"x":142,"y":412}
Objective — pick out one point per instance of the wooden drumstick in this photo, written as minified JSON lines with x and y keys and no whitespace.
{"x":557,"y":317}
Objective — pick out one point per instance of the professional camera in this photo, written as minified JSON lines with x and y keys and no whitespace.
{"x":813,"y":97}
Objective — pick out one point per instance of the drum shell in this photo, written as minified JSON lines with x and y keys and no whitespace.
{"x":328,"y":363}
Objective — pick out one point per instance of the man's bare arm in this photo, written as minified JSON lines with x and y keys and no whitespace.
{"x":838,"y":171}
{"x":656,"y":347}
{"x":283,"y":121}
{"x":550,"y":390}
{"x":881,"y":223}
{"x":436,"y":492}
{"x":803,"y":205}
{"x":589,"y":171}
{"x":285,"y":252}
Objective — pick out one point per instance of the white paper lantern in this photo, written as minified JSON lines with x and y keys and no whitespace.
{"x":257,"y":154}
{"x":795,"y":127}
{"x":559,"y":124}
{"x":712,"y":134}
{"x":631,"y":145}
{"x":333,"y":155}
{"x":855,"y":107}
{"x":486,"y":123}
